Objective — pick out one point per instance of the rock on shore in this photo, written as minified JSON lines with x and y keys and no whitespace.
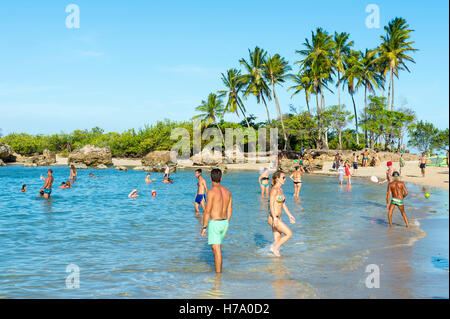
{"x":91,"y":156}
{"x":6,"y":153}
{"x":155,"y":161}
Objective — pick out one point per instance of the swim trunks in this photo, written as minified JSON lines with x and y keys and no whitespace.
{"x":217,"y":229}
{"x":47,"y":191}
{"x":355,"y":165}
{"x":396,"y":201}
{"x":199,"y":198}
{"x":422,"y":165}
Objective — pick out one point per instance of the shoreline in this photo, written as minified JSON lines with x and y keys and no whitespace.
{"x":434,"y":177}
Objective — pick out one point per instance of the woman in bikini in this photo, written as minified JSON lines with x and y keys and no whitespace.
{"x":264,"y":182}
{"x":296,"y":177}
{"x":73,"y":174}
{"x":277,"y":203}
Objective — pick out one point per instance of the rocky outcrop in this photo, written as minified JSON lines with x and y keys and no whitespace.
{"x":121,"y":168}
{"x":91,"y":156}
{"x":2,"y":163}
{"x":79,"y":165}
{"x":208,"y":158}
{"x":155,"y":161}
{"x":6,"y":153}
{"x":101,"y":166}
{"x":46,"y":159}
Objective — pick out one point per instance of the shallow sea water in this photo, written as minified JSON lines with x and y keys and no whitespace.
{"x":151,"y":247}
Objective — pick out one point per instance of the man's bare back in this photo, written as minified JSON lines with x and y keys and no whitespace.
{"x":219,"y":200}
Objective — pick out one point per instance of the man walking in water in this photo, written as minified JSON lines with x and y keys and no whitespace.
{"x":219,"y":208}
{"x":423,"y":163}
{"x":396,"y":190}
{"x":202,"y":188}
{"x":47,"y":188}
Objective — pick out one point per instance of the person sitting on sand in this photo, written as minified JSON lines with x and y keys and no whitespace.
{"x":389,"y":172}
{"x":396,"y":190}
{"x":47,"y":188}
{"x":133,"y":194}
{"x":264,"y":182}
{"x":296,"y":177}
{"x":24,"y":188}
{"x":277,"y":203}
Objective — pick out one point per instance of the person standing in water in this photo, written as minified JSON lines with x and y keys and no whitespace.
{"x":24,"y":188}
{"x":396,"y":190}
{"x":148,"y":179}
{"x":348,"y":175}
{"x":423,"y":164}
{"x":341,"y":172}
{"x":264,"y":182}
{"x":296,"y":177}
{"x":73,"y":173}
{"x":219,"y":208}
{"x":277,"y":203}
{"x":202,"y":188}
{"x":166,"y":172}
{"x":355,"y":163}
{"x":47,"y":188}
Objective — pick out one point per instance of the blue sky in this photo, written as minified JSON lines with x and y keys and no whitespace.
{"x":132,"y":63}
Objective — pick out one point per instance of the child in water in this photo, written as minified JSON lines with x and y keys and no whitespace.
{"x":133,"y":194}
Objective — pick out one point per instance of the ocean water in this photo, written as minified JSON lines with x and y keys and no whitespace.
{"x":152,"y":248}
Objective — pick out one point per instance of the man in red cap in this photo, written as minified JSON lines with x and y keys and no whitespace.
{"x":389,"y":172}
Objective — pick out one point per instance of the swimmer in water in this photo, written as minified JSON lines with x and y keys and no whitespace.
{"x":167,"y":181}
{"x":296,"y":177}
{"x":277,"y":203}
{"x":133,"y":194}
{"x":148,"y":179}
{"x":396,"y":193}
{"x":24,"y":188}
{"x":73,"y":173}
{"x":47,"y":188}
{"x":202,"y":188}
{"x":264,"y":182}
{"x":92,"y":175}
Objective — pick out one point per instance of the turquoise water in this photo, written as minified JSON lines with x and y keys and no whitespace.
{"x":151,"y":247}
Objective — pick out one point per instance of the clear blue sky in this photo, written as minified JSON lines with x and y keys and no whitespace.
{"x":135,"y":62}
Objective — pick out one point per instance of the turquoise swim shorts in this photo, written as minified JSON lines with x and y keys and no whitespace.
{"x":216,"y":231}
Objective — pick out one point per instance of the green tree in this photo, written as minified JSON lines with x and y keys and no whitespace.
{"x":276,"y":70}
{"x":425,"y":136}
{"x":211,"y":110}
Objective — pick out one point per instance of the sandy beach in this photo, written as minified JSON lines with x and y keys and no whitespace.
{"x":434,"y":176}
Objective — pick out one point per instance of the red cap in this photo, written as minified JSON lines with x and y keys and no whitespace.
{"x":389,"y":163}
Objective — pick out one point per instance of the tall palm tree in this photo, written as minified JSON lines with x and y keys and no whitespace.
{"x":233,"y":84}
{"x":341,"y":49}
{"x":394,"y":48}
{"x":276,"y":71}
{"x":303,"y":82}
{"x":254,"y":81}
{"x":369,"y":78}
{"x":318,"y":59}
{"x":350,"y":77}
{"x":210,"y":111}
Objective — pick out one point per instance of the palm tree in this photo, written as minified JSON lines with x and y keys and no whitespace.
{"x":341,"y":49}
{"x":254,"y":81}
{"x":233,"y":84}
{"x":318,"y":59}
{"x":211,"y":110}
{"x":369,"y":78}
{"x":276,"y":71}
{"x":351,"y":75}
{"x":303,"y":82}
{"x":394,"y":49}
